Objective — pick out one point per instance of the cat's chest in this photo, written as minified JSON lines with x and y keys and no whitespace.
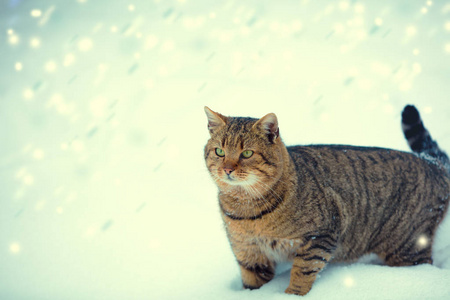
{"x":279,"y":250}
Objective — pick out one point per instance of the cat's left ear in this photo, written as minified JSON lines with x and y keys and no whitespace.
{"x":215,"y":120}
{"x":269,"y":124}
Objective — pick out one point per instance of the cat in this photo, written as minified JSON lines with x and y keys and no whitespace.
{"x":320,"y":203}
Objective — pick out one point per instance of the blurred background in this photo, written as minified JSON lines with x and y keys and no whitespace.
{"x":104,"y":192}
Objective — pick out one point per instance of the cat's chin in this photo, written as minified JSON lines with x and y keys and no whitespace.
{"x":234,"y":182}
{"x":236,"y":190}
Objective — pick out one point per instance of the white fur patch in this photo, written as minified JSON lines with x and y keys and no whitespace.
{"x":279,"y":250}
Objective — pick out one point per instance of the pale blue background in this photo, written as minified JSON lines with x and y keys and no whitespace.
{"x":104,"y":193}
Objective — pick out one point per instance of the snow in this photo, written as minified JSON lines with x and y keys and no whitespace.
{"x":105,"y":194}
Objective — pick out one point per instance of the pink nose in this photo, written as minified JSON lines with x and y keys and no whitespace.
{"x":228,"y":170}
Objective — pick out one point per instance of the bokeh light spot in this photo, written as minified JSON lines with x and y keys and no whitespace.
{"x":28,"y":94}
{"x":69,"y":59}
{"x":447,"y":47}
{"x":344,"y":5}
{"x":423,"y":241}
{"x":378,"y":21}
{"x":349,"y":281}
{"x":447,"y":25}
{"x":14,"y":248}
{"x":35,"y":42}
{"x":28,"y":179}
{"x":411,"y":31}
{"x":18,"y":66}
{"x":38,"y":154}
{"x":50,"y":66}
{"x":359,"y":8}
{"x":13,"y":39}
{"x":85,"y":44}
{"x":36,"y":13}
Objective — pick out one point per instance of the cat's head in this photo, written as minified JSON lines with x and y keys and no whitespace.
{"x":243,"y":153}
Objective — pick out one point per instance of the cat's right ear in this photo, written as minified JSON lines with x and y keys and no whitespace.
{"x":215,"y":120}
{"x":269,"y":124}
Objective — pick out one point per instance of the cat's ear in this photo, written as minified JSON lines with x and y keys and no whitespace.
{"x":269,"y":124}
{"x":215,"y":120}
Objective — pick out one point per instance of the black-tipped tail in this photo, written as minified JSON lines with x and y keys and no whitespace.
{"x":418,"y":137}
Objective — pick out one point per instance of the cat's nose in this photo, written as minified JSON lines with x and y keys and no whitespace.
{"x":228,"y":170}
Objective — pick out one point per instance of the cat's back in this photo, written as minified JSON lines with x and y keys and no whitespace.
{"x":356,"y":172}
{"x":369,"y":171}
{"x":340,"y":159}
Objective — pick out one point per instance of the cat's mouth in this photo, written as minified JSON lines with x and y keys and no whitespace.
{"x":239,"y":181}
{"x":231,"y":180}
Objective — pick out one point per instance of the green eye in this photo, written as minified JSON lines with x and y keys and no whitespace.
{"x":220,"y":152}
{"x":247,"y":153}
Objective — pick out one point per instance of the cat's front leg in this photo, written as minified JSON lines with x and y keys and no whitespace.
{"x":254,"y":275}
{"x":256,"y":269}
{"x":308,"y":262}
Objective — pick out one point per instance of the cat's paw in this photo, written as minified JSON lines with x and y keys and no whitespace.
{"x":250,"y":287}
{"x":292,"y":291}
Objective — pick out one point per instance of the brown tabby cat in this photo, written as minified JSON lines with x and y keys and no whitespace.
{"x":321,"y":203}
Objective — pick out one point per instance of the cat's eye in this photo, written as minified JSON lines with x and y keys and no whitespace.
{"x":247,"y":153}
{"x":220,"y":152}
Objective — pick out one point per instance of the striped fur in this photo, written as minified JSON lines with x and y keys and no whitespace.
{"x":320,"y":203}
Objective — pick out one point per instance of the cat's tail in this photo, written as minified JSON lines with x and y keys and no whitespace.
{"x":419,"y":139}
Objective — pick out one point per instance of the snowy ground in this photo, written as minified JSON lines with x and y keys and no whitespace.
{"x":104,"y":190}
